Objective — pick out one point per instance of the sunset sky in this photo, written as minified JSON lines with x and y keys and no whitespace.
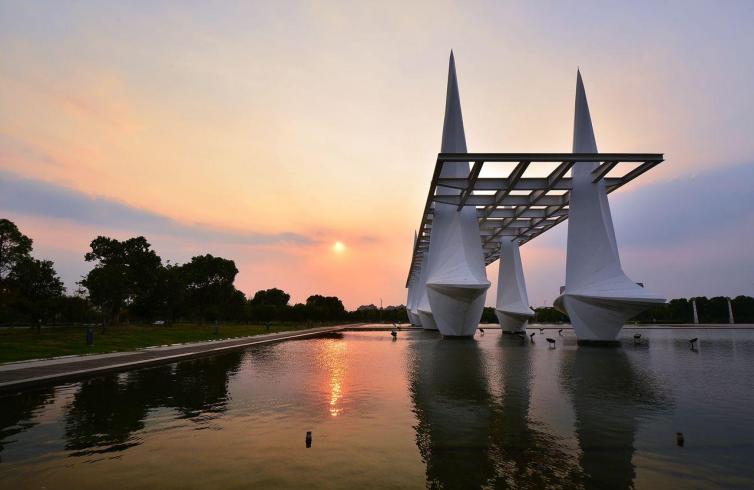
{"x":267,"y":132}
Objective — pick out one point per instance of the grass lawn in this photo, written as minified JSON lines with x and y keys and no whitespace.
{"x":20,"y":343}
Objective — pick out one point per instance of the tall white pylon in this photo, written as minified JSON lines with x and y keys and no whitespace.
{"x":512,"y":307}
{"x":730,"y":312}
{"x":422,"y":308}
{"x":696,"y":316}
{"x":457,"y":280}
{"x":598,"y":296}
{"x":413,"y":318}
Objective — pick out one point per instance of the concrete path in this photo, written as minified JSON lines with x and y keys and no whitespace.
{"x":19,"y":375}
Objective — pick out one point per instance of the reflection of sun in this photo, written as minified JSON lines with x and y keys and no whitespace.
{"x":339,"y":247}
{"x":335,"y":361}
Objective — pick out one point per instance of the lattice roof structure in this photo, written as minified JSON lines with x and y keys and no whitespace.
{"x":512,"y":204}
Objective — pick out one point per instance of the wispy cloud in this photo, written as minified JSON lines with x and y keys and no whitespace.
{"x":49,"y":200}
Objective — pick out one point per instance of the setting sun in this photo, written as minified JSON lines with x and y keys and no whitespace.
{"x":339,"y":247}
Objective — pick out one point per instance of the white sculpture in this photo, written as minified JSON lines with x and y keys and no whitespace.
{"x":422,"y":308}
{"x":512,"y":307}
{"x":456,"y":280}
{"x":598,"y":296}
{"x":413,"y":318}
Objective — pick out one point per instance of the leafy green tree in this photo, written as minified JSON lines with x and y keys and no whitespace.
{"x":14,"y":246}
{"x":209,"y":287}
{"x":36,"y":287}
{"x":126,"y":274}
{"x":269,"y":305}
{"x":272,"y":297}
{"x":324,"y":308}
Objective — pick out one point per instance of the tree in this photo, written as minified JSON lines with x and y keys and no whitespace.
{"x":36,"y":286}
{"x":209,"y":287}
{"x":14,"y":246}
{"x":272,"y":297}
{"x":126,"y":274}
{"x":323,"y":308}
{"x":269,"y":305}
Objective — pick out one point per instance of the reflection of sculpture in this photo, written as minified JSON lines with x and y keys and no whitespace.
{"x":512,"y":307}
{"x":452,"y":404}
{"x":469,"y":440}
{"x":456,"y":281}
{"x":526,"y":455}
{"x":608,"y":397}
{"x":598,"y":296}
{"x":107,"y":410}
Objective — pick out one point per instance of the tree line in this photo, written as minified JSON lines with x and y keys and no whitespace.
{"x":129,"y":282}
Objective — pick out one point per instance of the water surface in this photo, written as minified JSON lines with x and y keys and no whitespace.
{"x":419,"y":411}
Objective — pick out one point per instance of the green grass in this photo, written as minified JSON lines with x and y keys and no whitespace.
{"x":20,"y":343}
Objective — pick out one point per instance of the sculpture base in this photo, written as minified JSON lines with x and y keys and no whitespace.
{"x":457,"y":309}
{"x":427,"y":320}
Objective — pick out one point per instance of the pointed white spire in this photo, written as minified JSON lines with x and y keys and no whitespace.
{"x":598,"y":296}
{"x":456,"y":281}
{"x":453,"y":134}
{"x":583,"y":132}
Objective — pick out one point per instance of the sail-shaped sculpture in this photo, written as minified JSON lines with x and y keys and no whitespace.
{"x":598,"y":296}
{"x":456,"y":281}
{"x":423,"y":309}
{"x":512,"y":307}
{"x":413,"y":318}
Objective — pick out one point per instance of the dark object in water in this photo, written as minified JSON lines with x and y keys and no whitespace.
{"x":637,"y":338}
{"x":394,"y":334}
{"x":551,"y":342}
{"x":308,"y":439}
{"x":693,"y":343}
{"x":531,"y":337}
{"x":679,"y":439}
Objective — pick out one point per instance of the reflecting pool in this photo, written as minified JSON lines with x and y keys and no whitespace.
{"x":492,"y":412}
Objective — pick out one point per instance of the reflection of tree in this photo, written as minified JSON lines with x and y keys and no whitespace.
{"x":608,"y":397}
{"x":107,"y":410}
{"x":525,"y":456}
{"x":17,"y":413}
{"x":452,"y":403}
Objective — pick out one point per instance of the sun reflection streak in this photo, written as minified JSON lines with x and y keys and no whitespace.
{"x":335,"y":360}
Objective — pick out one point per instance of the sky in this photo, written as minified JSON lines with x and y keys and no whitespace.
{"x":266,"y":132}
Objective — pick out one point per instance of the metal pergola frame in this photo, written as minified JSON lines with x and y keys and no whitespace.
{"x":517,"y":206}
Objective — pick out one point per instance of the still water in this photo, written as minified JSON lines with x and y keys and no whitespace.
{"x":491,"y":412}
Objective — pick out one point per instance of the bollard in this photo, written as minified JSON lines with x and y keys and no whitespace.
{"x":308,"y":439}
{"x":89,"y":336}
{"x":679,"y":439}
{"x":217,"y":328}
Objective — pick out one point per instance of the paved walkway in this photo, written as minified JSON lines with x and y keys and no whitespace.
{"x":18,"y":375}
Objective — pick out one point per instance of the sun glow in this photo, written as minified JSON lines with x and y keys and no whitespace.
{"x":339,"y":247}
